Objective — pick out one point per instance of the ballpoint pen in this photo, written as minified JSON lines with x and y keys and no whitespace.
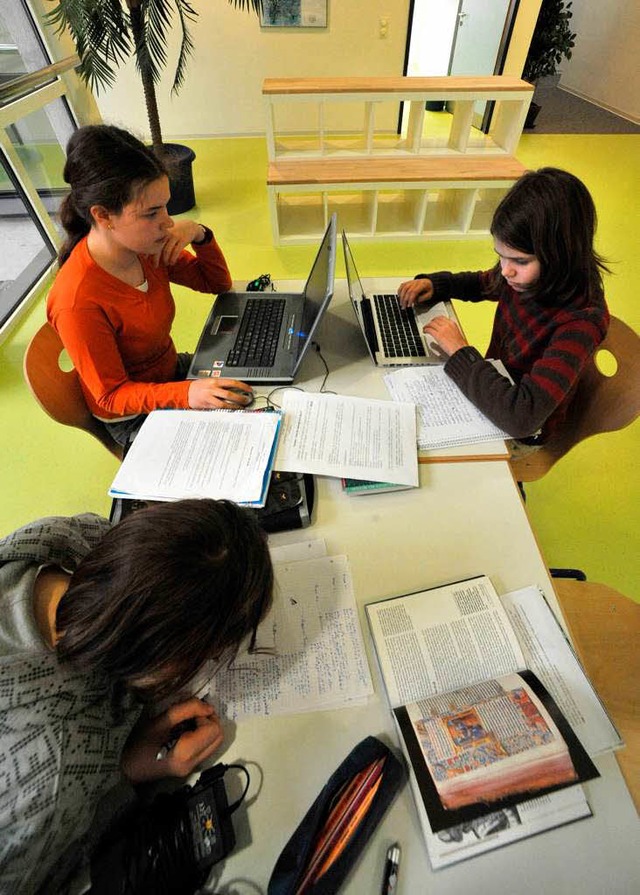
{"x":174,"y":736}
{"x":390,"y":879}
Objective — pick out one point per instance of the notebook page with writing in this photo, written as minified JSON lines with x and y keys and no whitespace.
{"x":446,"y":418}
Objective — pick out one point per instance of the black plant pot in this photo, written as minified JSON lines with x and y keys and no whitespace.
{"x":532,"y":114}
{"x":179,"y":160}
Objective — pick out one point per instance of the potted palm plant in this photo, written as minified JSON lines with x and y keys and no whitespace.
{"x":552,"y":42}
{"x":109,"y":32}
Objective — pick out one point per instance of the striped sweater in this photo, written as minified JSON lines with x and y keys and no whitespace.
{"x":544,"y":348}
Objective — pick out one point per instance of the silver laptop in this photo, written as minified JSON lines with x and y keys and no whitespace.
{"x":262,"y":338}
{"x":393,"y":334}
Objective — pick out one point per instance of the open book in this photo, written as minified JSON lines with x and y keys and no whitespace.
{"x":452,"y":659}
{"x":200,"y":453}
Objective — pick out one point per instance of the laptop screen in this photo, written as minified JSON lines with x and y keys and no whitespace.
{"x":319,"y":286}
{"x":356,"y":291}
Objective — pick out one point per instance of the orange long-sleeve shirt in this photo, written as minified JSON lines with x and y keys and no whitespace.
{"x":118,"y":337}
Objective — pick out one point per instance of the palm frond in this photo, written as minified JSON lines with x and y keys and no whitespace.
{"x":101,"y":34}
{"x":186,"y":14}
{"x":249,"y":5}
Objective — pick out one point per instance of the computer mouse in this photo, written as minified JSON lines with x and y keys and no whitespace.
{"x":244,"y":392}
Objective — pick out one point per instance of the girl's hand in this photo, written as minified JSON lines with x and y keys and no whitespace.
{"x":139,"y":763}
{"x":180,"y":234}
{"x":206,"y":394}
{"x":414,"y":291}
{"x":446,"y":333}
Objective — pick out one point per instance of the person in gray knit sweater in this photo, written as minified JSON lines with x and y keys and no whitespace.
{"x":97,"y":624}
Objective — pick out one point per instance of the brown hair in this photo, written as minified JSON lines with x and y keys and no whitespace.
{"x":549,"y":213}
{"x":105,"y":166}
{"x":166,"y":589}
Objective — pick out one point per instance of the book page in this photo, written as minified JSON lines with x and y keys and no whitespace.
{"x":348,"y":438}
{"x":488,"y":741}
{"x":548,"y":653}
{"x":439,"y":639}
{"x":446,"y":417}
{"x":200,"y":453}
{"x":314,"y":653}
{"x":497,"y":828}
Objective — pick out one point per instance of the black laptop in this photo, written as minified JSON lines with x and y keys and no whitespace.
{"x":262,"y":338}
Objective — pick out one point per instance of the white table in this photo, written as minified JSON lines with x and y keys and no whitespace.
{"x":466,"y":519}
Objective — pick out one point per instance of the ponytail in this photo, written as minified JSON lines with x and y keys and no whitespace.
{"x":75,"y":226}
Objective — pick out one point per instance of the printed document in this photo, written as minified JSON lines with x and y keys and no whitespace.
{"x":200,"y":453}
{"x":348,"y":437}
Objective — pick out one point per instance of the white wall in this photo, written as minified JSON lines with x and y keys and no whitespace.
{"x":604,"y":66}
{"x":222,"y":93}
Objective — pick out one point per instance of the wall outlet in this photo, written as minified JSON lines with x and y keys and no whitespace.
{"x":383,"y":26}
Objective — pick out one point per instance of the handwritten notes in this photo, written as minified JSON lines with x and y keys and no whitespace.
{"x":313,"y":654}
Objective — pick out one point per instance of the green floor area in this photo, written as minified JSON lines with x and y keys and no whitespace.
{"x":584,"y":512}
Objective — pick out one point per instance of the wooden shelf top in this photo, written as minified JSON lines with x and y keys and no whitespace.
{"x":437,"y":85}
{"x":400,"y":170}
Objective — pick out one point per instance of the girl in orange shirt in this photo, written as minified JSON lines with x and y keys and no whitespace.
{"x":111,"y":301}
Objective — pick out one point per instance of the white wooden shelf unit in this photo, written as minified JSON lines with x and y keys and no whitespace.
{"x":371,"y":99}
{"x":390,"y":187}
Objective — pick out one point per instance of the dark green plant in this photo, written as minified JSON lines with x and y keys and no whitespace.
{"x":108,"y":32}
{"x":552,"y":41}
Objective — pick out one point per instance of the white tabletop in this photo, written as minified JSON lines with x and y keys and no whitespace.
{"x":466,"y":519}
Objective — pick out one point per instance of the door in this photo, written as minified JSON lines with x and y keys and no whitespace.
{"x":479,"y":44}
{"x":459,"y":37}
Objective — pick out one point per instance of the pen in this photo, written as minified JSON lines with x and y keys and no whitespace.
{"x":390,"y":879}
{"x":174,"y":736}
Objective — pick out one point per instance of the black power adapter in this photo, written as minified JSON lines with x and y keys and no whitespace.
{"x":167,"y":847}
{"x":209,"y":814}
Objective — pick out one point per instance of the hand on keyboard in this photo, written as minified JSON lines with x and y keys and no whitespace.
{"x":414,"y":291}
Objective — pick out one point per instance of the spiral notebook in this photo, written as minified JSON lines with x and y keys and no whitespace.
{"x":446,"y":417}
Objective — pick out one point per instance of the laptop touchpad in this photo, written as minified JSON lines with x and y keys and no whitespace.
{"x":224,"y":325}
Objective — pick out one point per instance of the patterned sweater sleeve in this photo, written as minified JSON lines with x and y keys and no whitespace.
{"x":467,"y":286}
{"x":527,"y":406}
{"x":524,"y":408}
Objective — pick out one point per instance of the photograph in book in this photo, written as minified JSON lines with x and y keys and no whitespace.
{"x":504,"y":826}
{"x":489,"y":745}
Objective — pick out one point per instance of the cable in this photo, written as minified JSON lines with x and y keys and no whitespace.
{"x":326,"y":367}
{"x":169,"y":846}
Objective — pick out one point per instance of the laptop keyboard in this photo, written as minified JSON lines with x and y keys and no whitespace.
{"x":400,"y":335}
{"x":257,"y":339}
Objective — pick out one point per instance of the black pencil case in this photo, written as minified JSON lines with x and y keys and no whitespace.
{"x":291,"y":866}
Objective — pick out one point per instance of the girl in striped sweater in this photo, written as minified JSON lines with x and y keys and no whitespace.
{"x":551,"y":313}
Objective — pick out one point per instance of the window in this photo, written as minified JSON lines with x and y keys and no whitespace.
{"x":35,"y":124}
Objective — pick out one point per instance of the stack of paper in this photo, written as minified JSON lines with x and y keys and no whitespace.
{"x":446,"y":417}
{"x":200,"y":453}
{"x":312,"y":655}
{"x":356,"y":438}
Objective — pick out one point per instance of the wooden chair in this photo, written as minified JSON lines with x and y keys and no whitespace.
{"x":601,"y":403}
{"x":58,"y":391}
{"x":605,"y":626}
